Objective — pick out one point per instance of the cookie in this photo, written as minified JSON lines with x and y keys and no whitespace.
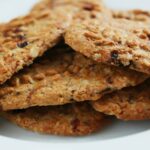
{"x":25,"y":38}
{"x":128,"y":104}
{"x":119,"y":42}
{"x":136,"y":15}
{"x":68,"y":120}
{"x":87,"y":9}
{"x":61,"y":77}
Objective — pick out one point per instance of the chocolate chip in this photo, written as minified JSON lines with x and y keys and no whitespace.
{"x":114,"y":59}
{"x":23,"y":44}
{"x":114,"y":55}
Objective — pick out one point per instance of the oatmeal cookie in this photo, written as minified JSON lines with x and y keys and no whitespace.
{"x":86,"y":9}
{"x":68,"y":120}
{"x":63,"y":76}
{"x":25,"y":38}
{"x":128,"y":104}
{"x":119,"y":42}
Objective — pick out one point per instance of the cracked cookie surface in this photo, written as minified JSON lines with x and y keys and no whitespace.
{"x":68,"y":120}
{"x":128,"y":104}
{"x":61,"y":77}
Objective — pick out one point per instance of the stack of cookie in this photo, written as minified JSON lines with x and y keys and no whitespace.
{"x":70,"y":64}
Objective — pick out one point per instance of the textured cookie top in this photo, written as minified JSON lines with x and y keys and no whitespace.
{"x":62,"y":77}
{"x":128,"y":104}
{"x":119,"y":42}
{"x":25,"y":38}
{"x":136,"y":15}
{"x":82,"y":4}
{"x":68,"y":120}
{"x":86,"y":9}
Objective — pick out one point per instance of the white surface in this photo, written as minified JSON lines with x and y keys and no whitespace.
{"x":120,"y":135}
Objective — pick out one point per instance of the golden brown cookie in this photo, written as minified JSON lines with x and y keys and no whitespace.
{"x":128,"y":104}
{"x":82,"y":4}
{"x":136,"y":15}
{"x":87,"y":9}
{"x":25,"y":38}
{"x":119,"y":42}
{"x":63,"y":77}
{"x":68,"y":120}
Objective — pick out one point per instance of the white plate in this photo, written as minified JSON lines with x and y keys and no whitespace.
{"x":121,"y":135}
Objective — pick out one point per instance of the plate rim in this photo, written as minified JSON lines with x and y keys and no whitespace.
{"x":118,"y":142}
